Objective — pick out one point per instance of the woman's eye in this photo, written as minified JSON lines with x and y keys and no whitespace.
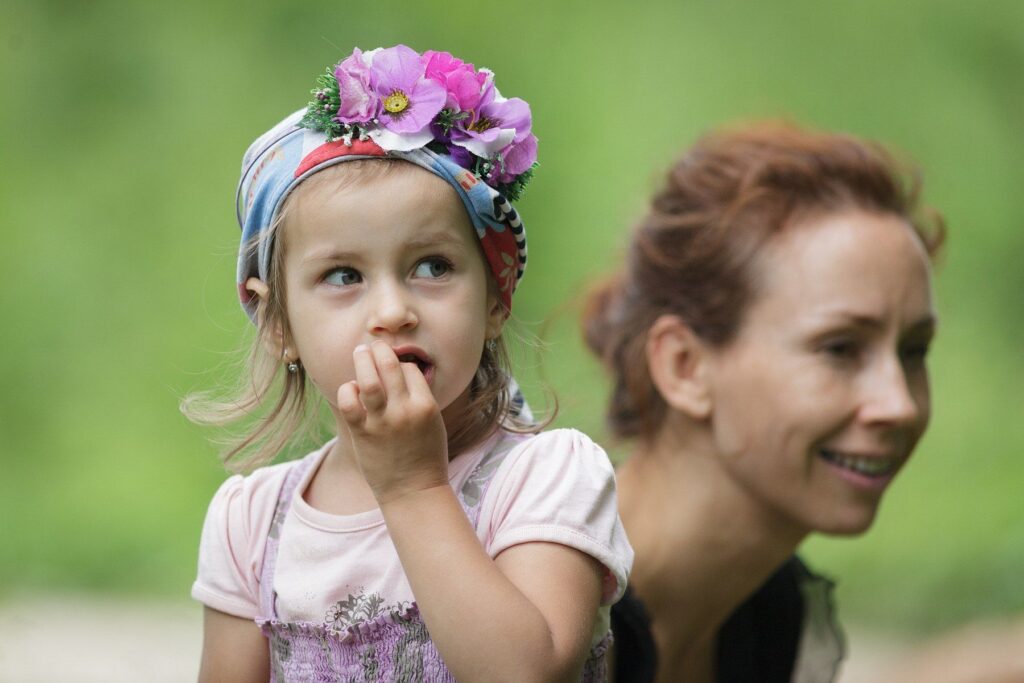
{"x":841,"y":349}
{"x":432,"y":268}
{"x":915,"y":352}
{"x":342,"y":277}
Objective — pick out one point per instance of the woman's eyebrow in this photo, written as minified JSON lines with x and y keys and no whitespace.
{"x":925,"y":325}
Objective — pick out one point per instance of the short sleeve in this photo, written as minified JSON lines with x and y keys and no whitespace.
{"x":232,"y":543}
{"x":559,"y":487}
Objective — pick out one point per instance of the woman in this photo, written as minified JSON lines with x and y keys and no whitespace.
{"x":767,"y":343}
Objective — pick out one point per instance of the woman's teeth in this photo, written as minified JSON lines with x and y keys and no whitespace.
{"x":869,"y":466}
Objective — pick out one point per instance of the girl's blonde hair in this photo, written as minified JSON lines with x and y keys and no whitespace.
{"x":277,"y":401}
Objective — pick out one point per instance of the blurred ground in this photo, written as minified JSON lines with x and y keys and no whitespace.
{"x":78,"y":639}
{"x":980,"y":652}
{"x":91,"y":639}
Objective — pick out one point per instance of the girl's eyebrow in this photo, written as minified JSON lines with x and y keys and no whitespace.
{"x":328,"y":255}
{"x":421,"y":242}
{"x":433,"y":240}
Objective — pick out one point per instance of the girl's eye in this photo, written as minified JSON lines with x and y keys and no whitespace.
{"x":343,"y":277}
{"x":434,"y":267}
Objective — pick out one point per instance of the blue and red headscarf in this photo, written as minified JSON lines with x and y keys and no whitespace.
{"x":367,"y":111}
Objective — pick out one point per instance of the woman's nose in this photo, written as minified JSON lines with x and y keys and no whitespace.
{"x":891,"y":397}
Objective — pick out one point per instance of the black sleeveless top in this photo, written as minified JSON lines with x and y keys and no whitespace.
{"x":759,"y":643}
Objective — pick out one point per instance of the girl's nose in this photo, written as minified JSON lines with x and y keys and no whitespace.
{"x":391,"y":310}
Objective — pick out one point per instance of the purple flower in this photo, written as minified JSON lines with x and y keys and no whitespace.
{"x":517,"y":158}
{"x":359,"y":101}
{"x":461,"y":156}
{"x":408,"y":100}
{"x":463,"y":85}
{"x":495,"y":126}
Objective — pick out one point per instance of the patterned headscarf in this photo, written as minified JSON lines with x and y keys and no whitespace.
{"x":298,"y":147}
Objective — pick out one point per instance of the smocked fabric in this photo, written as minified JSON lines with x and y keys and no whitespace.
{"x":392,"y":646}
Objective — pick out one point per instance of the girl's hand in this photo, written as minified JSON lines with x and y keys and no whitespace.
{"x":398,"y":435}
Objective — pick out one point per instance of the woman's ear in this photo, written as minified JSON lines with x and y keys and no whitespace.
{"x":677,"y":360}
{"x":274,"y":339}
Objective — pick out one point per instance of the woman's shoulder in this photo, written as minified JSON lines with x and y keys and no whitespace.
{"x":823,"y":643}
{"x":787,"y":629}
{"x":635,"y":657}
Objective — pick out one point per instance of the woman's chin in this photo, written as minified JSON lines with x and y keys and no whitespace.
{"x":850,"y":523}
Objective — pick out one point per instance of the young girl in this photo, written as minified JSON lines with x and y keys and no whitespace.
{"x":434,"y":538}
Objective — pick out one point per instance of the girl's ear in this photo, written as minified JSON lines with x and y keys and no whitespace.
{"x":274,"y":338}
{"x":497,"y":314}
{"x":678,"y":360}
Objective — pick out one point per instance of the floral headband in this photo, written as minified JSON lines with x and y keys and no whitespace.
{"x":432,"y":110}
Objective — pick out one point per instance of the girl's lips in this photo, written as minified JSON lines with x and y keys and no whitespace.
{"x":417,"y":356}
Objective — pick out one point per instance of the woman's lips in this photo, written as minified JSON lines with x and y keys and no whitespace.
{"x":868,"y":465}
{"x":872,"y":472}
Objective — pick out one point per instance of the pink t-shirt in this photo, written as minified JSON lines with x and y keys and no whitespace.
{"x":336,"y":570}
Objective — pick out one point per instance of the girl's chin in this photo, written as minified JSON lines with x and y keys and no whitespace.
{"x":454,"y":406}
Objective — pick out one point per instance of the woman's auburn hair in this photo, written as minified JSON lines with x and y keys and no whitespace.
{"x":693,"y":253}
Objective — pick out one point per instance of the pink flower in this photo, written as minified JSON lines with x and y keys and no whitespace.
{"x":462,"y":83}
{"x":409,"y":100}
{"x":359,"y":101}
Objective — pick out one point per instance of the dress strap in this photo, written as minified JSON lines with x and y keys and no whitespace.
{"x":479,"y":480}
{"x":268,"y":598}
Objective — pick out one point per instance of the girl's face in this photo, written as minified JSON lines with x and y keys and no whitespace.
{"x":393,"y":258}
{"x":822,"y":396}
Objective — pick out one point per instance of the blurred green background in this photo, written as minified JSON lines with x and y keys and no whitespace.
{"x":123,"y":125}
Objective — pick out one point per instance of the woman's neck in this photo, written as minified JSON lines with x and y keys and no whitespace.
{"x":703,"y":544}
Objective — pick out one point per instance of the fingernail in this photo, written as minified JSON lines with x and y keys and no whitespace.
{"x":362,"y":347}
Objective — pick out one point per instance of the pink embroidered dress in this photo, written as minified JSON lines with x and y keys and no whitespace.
{"x":553,"y":487}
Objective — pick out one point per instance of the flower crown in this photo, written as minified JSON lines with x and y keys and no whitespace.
{"x":402,"y":101}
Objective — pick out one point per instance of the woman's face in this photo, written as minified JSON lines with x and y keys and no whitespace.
{"x":822,"y":396}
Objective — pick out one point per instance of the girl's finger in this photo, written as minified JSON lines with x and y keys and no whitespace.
{"x":415,"y":382}
{"x":349,"y":405}
{"x":390,"y":371}
{"x":371,"y":391}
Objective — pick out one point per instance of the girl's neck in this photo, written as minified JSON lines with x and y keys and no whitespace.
{"x":338,"y":486}
{"x":703,"y":544}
